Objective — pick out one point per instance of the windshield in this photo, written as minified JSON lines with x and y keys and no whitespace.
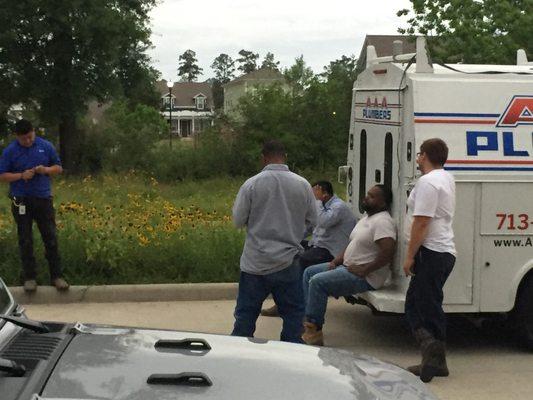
{"x":6,"y":301}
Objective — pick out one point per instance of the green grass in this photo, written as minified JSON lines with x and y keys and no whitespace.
{"x":116,"y":229}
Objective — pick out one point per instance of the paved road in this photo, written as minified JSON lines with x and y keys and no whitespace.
{"x":484,"y":364}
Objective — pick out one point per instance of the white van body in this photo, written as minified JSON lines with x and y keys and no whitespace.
{"x":485,"y":115}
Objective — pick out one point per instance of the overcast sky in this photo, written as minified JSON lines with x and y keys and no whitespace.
{"x":320,"y":30}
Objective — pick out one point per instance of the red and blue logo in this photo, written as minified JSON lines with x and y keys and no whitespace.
{"x":518,"y":112}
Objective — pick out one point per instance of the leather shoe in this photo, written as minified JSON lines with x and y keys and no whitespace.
{"x":30,"y":285}
{"x":60,"y":284}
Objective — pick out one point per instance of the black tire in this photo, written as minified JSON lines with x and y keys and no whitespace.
{"x":523,"y":313}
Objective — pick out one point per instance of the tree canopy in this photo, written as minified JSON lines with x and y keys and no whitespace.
{"x":269,"y":62}
{"x":247,"y":61}
{"x":188,"y":69}
{"x":61,"y":54}
{"x":224,"y":68}
{"x":299,"y":75}
{"x":473,"y":31}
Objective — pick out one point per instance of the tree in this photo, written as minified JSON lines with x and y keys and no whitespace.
{"x":299,"y":75}
{"x":472,"y":31}
{"x":138,"y":78}
{"x":63,"y":53}
{"x":188,"y":69}
{"x":224,"y":68}
{"x":268,"y":62}
{"x":247,"y":61}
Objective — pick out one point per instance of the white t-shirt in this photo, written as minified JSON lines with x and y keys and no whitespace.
{"x":363,"y":248}
{"x":434,"y":196}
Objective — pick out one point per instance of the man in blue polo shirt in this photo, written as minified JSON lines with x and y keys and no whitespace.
{"x":27,"y":164}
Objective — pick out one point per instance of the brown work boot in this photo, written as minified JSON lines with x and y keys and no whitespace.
{"x":60,"y":284}
{"x":312,"y":335}
{"x":415,"y":370}
{"x":433,"y":361}
{"x":433,"y":357}
{"x":30,"y":286}
{"x":270,"y":312}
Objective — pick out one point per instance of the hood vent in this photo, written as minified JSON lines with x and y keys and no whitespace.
{"x":31,"y":346}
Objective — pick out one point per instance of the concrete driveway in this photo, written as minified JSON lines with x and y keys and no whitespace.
{"x":484,"y":364}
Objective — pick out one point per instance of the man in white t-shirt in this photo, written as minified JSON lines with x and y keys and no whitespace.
{"x":363,"y":266}
{"x":430,"y":256}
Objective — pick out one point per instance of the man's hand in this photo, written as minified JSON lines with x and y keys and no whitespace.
{"x":407,"y":266}
{"x":332,"y":265}
{"x":28,"y":174}
{"x":358,"y":270}
{"x":41,"y":169}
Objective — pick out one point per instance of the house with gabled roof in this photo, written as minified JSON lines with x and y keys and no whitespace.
{"x":247,"y":83}
{"x":188,"y":106}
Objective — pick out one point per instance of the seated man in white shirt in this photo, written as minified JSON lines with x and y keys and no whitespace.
{"x":363,"y":266}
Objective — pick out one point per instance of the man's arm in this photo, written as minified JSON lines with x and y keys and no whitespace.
{"x":387,"y":247}
{"x":337,"y":260}
{"x":242,"y":206}
{"x":328,"y":217}
{"x":53,"y":170}
{"x":419,"y":230}
{"x":9,"y":177}
{"x":311,"y":214}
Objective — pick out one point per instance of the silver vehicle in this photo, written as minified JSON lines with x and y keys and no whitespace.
{"x":44,"y":360}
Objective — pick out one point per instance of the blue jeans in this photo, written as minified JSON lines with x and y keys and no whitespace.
{"x":286,"y":289}
{"x":319,"y":282}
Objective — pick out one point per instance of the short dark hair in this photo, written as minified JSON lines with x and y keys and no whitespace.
{"x":435,"y":150}
{"x":23,"y":126}
{"x":386,"y":192}
{"x":326,"y":186}
{"x":273,"y":148}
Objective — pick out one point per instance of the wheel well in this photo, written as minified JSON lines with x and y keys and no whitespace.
{"x":523,"y":284}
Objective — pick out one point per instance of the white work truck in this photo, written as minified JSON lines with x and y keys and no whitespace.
{"x":485,"y":115}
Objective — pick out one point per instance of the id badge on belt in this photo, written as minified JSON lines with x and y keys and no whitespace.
{"x":21,"y":207}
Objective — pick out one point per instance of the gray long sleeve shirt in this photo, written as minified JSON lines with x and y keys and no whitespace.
{"x":275,"y":206}
{"x":335,"y":223}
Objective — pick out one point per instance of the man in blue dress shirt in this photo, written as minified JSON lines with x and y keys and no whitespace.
{"x":27,"y":164}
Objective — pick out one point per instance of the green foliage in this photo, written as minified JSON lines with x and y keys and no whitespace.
{"x":224,"y":68}
{"x":188,"y":69}
{"x":63,"y":53}
{"x":269,"y":62}
{"x":125,"y":139}
{"x":247,"y":61}
{"x":132,"y":229}
{"x":313,"y":123}
{"x":211,"y":156}
{"x":299,"y":75}
{"x":473,"y":31}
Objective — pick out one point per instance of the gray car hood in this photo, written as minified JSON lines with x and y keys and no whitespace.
{"x":111,"y":363}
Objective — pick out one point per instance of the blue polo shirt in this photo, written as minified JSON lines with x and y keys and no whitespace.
{"x":16,"y":158}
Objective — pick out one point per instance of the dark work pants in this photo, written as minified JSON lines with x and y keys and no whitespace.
{"x":313,"y":256}
{"x":40,"y":210}
{"x":423,"y":302}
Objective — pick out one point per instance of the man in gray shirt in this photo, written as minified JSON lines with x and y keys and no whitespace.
{"x":276,"y":206}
